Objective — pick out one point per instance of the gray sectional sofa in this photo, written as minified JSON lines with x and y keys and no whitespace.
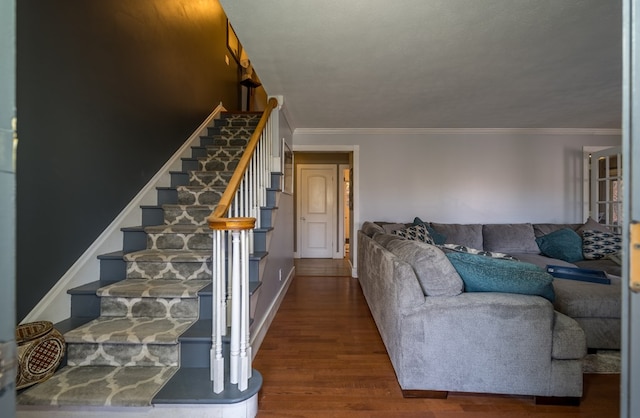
{"x":441,"y":338}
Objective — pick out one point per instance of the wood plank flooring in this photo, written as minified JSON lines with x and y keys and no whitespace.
{"x":323,"y":357}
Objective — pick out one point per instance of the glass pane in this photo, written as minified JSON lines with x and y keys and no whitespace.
{"x":602,"y":167}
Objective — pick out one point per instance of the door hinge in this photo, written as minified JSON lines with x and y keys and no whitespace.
{"x":634,"y":256}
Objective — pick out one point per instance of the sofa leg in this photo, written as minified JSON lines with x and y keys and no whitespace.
{"x":558,"y":400}
{"x":431,"y":394}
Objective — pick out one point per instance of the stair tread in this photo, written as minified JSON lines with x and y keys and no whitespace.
{"x":178,"y":229}
{"x":168,"y":255}
{"x":154,"y":288}
{"x":193,"y":385}
{"x":99,"y":386}
{"x":203,"y":188}
{"x":85,"y":289}
{"x":130,"y":330}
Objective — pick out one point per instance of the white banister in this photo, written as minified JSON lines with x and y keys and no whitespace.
{"x":233,"y":243}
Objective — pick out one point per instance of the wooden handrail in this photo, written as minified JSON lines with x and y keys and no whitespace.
{"x":217,"y":219}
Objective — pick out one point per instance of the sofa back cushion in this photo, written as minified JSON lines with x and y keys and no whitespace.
{"x":486,"y":274}
{"x":385,"y":239}
{"x":469,"y":235}
{"x":435,"y":273}
{"x":509,"y":238}
{"x":545,"y":229}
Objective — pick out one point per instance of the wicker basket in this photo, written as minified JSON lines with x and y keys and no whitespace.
{"x":40,"y":351}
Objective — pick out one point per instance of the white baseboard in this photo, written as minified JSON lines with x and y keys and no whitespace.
{"x":262,"y":328}
{"x":55,"y":306}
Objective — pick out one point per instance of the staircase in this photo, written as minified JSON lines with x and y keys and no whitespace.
{"x":141,"y":336}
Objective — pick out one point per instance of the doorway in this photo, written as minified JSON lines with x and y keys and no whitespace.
{"x":339,"y":228}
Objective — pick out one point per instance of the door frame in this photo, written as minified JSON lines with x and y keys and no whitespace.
{"x":630,"y":374}
{"x":355,"y":185}
{"x":8,"y":145}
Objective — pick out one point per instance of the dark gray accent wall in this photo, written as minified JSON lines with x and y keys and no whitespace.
{"x":106,"y":92}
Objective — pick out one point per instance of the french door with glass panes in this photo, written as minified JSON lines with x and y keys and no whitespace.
{"x":606,"y":187}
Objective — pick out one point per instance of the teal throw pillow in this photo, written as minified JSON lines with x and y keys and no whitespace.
{"x":486,"y":274}
{"x":563,"y":244}
{"x":438,"y":238}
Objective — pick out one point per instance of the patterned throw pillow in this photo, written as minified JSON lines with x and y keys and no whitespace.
{"x":415,"y":233}
{"x":599,"y":244}
{"x":463,"y":249}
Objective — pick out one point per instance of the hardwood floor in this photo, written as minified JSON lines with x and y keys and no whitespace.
{"x":325,"y":267}
{"x":323,"y":357}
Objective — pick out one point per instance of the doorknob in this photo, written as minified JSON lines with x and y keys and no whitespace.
{"x":303,"y":218}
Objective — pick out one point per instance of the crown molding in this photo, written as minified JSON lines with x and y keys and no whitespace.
{"x":458,"y":131}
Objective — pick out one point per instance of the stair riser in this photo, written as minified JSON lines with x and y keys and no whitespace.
{"x":219,"y":141}
{"x":194,"y":215}
{"x":167,"y":196}
{"x":149,"y":307}
{"x":179,"y":178}
{"x":198,"y":241}
{"x":209,"y":179}
{"x":199,"y":197}
{"x":106,"y":354}
{"x":85,"y":306}
{"x":176,"y":241}
{"x":133,"y":239}
{"x":112,"y":270}
{"x":168,"y":270}
{"x":217,"y":165}
{"x":223,"y":153}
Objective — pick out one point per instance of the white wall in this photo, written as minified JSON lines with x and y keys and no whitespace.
{"x":497,"y":177}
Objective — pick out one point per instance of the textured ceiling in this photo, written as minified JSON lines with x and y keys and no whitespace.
{"x":437,"y":63}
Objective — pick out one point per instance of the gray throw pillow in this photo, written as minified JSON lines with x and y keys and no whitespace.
{"x":434,"y":271}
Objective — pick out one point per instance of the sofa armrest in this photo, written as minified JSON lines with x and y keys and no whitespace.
{"x":475,"y":342}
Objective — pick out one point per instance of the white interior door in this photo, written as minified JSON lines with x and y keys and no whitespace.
{"x":316,"y":210}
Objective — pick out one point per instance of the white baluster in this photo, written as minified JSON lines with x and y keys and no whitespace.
{"x":235,"y":309}
{"x":216,"y":357}
{"x":243,"y":379}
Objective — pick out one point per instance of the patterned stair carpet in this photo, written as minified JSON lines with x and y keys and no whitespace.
{"x":127,"y":354}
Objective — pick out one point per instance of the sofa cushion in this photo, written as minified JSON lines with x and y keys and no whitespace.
{"x":463,"y":249}
{"x":544,"y":229}
{"x":438,"y":238}
{"x":579,"y":299}
{"x":509,"y":238}
{"x":564,"y":244}
{"x":469,"y":235}
{"x":599,"y":244}
{"x":485,"y":274}
{"x":415,"y":233}
{"x":435,"y":273}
